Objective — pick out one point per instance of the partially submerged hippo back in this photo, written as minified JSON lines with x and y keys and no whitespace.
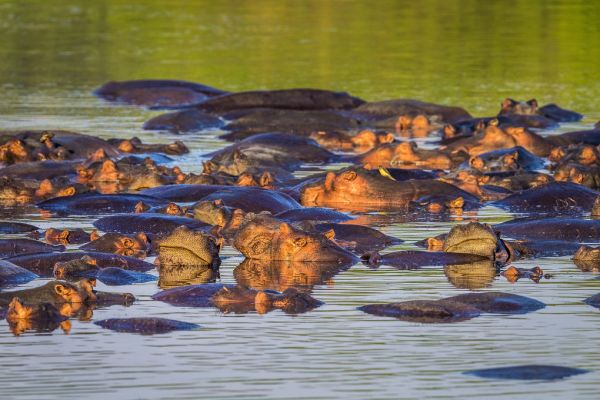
{"x":15,"y":247}
{"x":149,"y":223}
{"x":424,"y":311}
{"x":11,"y":274}
{"x":554,"y":197}
{"x":551,"y":229}
{"x":499,"y":302}
{"x":297,"y":99}
{"x":93,"y":203}
{"x":527,"y":372}
{"x":393,"y":108}
{"x":145,"y":325}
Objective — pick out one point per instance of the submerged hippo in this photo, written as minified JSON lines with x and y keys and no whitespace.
{"x":551,"y":229}
{"x":191,"y":120}
{"x":237,"y":299}
{"x":360,"y":189}
{"x":42,"y":317}
{"x":43,"y":263}
{"x":456,"y":308}
{"x":95,"y":203}
{"x":145,"y":326}
{"x":266,"y":238}
{"x":399,"y":107}
{"x":149,"y":223}
{"x":157,"y":93}
{"x":125,"y":245}
{"x":528,"y":372}
{"x":530,"y":108}
{"x":16,"y":247}
{"x":8,"y":227}
{"x":86,"y":267}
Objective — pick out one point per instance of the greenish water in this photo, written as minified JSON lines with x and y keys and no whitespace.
{"x":467,"y":53}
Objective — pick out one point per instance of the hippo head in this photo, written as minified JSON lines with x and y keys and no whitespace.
{"x":40,"y":317}
{"x":510,"y":106}
{"x":186,"y":247}
{"x":75,"y":268}
{"x":367,"y":139}
{"x":48,"y":189}
{"x":351,"y":185}
{"x":478,"y":239}
{"x":125,"y":245}
{"x":212,"y":212}
{"x":63,"y":292}
{"x":234,"y":164}
{"x":14,"y":192}
{"x":291,"y":301}
{"x":14,"y":150}
{"x":265,"y":238}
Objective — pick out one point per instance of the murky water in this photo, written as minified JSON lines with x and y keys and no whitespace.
{"x":466,"y":53}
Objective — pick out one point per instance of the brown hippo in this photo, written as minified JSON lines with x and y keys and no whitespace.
{"x":126,"y":245}
{"x":281,"y":275}
{"x":54,"y":292}
{"x":157,"y":93}
{"x":362,"y":142}
{"x":513,"y":274}
{"x":135,"y":146}
{"x":263,"y":237}
{"x":407,"y":154}
{"x":551,"y":229}
{"x":516,"y":158}
{"x":87,"y":267}
{"x":238,"y":299}
{"x":358,"y":189}
{"x":294,"y":99}
{"x":43,"y":263}
{"x":530,"y":108}
{"x":43,"y":317}
{"x":66,"y":236}
{"x":149,"y":223}
{"x":186,"y":247}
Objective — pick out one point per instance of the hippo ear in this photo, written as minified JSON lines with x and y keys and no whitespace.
{"x":300,"y":242}
{"x":64,"y":235}
{"x":533,"y":103}
{"x":329,"y":178}
{"x":387,"y":138}
{"x":350,"y":175}
{"x":218,"y":202}
{"x":285,"y":228}
{"x":266,"y":179}
{"x":60,"y":290}
{"x":330,"y":234}
{"x":141,"y":236}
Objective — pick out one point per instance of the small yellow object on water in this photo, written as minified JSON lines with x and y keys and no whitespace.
{"x":384,"y":172}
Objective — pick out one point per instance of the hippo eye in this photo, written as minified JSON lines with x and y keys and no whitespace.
{"x":350,"y":175}
{"x":260,"y":245}
{"x":300,"y":242}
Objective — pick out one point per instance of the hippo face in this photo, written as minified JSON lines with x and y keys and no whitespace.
{"x":265,"y":238}
{"x":186,"y":247}
{"x":510,"y":106}
{"x":212,"y":212}
{"x":67,"y":293}
{"x":291,"y":301}
{"x":478,"y":239}
{"x":125,"y":245}
{"x":74,"y":268}
{"x":348,"y":186}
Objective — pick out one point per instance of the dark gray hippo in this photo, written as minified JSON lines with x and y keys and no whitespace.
{"x":191,"y":120}
{"x":43,"y":263}
{"x":316,"y":214}
{"x":511,"y":159}
{"x":9,"y":227}
{"x":396,"y":108}
{"x":238,"y":299}
{"x":551,"y":198}
{"x":41,"y":170}
{"x":93,"y":203}
{"x":295,"y":99}
{"x":157,"y":93}
{"x":149,"y":223}
{"x":11,"y":274}
{"x":16,"y":247}
{"x":145,"y":325}
{"x":528,"y":372}
{"x":86,"y":267}
{"x":593,"y":301}
{"x":551,"y":229}
{"x":590,"y":136}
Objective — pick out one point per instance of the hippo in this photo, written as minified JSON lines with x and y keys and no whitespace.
{"x":400,"y":107}
{"x":294,"y":122}
{"x":238,"y":299}
{"x":93,"y":203}
{"x":263,"y":237}
{"x":527,"y":372}
{"x":593,"y":301}
{"x":551,"y":198}
{"x":125,"y":245}
{"x":530,"y":107}
{"x":551,"y":229}
{"x":186,"y":247}
{"x":65,"y":236}
{"x":587,"y":258}
{"x":316,"y":214}
{"x":295,"y":99}
{"x":271,"y":149}
{"x":407,"y":154}
{"x":464,"y":244}
{"x":8,"y":227}
{"x":11,"y":274}
{"x":516,"y":158}
{"x":456,"y":308}
{"x":357,"y":238}
{"x":281,"y":275}
{"x":149,"y":223}
{"x":43,"y":263}
{"x":513,"y":274}
{"x":363,"y":141}
{"x":42,"y":317}
{"x":41,"y":170}
{"x":16,"y":247}
{"x":55,"y":292}
{"x":184,"y":121}
{"x":358,"y":189}
{"x":424,"y":311}
{"x":157,"y":93}
{"x":525,"y":113}
{"x":145,"y":325}
{"x":136,"y":146}
{"x":87,"y":267}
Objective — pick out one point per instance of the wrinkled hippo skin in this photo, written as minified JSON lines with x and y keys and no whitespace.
{"x":14,"y":247}
{"x":551,"y":229}
{"x":145,"y":326}
{"x":528,"y":372}
{"x":186,"y":247}
{"x":499,"y":302}
{"x":149,"y":223}
{"x":424,"y":311}
{"x":183,"y":121}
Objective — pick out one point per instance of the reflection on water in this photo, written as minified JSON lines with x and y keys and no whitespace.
{"x":467,"y":53}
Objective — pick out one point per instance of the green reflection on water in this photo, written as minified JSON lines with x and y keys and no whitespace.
{"x":471,"y":53}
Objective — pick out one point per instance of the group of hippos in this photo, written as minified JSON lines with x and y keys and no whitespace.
{"x":294,"y":232}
